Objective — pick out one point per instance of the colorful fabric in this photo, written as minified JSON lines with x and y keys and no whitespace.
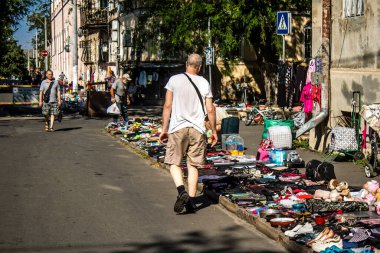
{"x":307,"y":98}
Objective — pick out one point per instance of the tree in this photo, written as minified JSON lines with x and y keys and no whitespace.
{"x":182,"y":24}
{"x":11,"y":12}
{"x":13,"y":63}
{"x":36,"y":21}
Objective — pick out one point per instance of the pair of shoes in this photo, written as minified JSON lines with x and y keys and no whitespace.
{"x":328,"y":243}
{"x":300,"y":229}
{"x":327,"y":233}
{"x":181,"y":202}
{"x":51,"y":129}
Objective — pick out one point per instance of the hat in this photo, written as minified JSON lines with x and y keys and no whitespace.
{"x":126,"y":76}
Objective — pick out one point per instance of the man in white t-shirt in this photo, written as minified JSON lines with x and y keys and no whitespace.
{"x":186,"y":132}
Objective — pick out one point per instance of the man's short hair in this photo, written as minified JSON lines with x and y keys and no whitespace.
{"x":194,"y":60}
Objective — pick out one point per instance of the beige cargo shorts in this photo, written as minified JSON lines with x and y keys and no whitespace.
{"x":187,"y":141}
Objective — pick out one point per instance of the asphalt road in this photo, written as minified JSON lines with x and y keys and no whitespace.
{"x":77,"y":190}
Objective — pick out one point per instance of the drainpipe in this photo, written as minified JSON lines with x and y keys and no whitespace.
{"x":326,"y":25}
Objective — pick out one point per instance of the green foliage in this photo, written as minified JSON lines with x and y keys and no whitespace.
{"x":36,"y":21}
{"x":182,"y":25}
{"x":301,"y":144}
{"x":11,"y":55}
{"x":14,"y":61}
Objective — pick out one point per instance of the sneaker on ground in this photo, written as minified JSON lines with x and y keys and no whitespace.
{"x":181,"y":202}
{"x":322,"y":245}
{"x":190,"y":207}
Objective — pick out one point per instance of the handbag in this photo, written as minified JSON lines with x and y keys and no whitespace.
{"x":199,"y":96}
{"x":343,"y":138}
{"x":47,"y":92}
{"x":113,"y":109}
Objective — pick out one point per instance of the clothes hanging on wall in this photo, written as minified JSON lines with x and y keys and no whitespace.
{"x":307,"y":98}
{"x":299,"y":83}
{"x":281,"y":90}
{"x":142,"y":78}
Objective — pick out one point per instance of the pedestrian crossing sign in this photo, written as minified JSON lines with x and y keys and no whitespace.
{"x":284,"y":24}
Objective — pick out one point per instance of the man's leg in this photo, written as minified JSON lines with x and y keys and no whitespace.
{"x":45,"y":112}
{"x":177,"y":175}
{"x":174,"y":153}
{"x":195,"y":157}
{"x":124,"y":113}
{"x":52,"y":117}
{"x":192,"y":180}
{"x":46,"y":122}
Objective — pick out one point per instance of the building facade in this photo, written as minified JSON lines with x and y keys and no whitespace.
{"x":354,"y":59}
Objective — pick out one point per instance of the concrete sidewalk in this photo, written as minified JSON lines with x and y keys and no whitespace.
{"x":348,"y":171}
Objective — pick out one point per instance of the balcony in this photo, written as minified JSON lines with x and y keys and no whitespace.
{"x":93,"y":17}
{"x":87,"y":58}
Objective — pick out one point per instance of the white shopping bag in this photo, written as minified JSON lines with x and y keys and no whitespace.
{"x":113,"y":109}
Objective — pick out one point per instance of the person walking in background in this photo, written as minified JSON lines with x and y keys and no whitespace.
{"x":36,"y":77}
{"x":186,"y":132}
{"x":50,"y":100}
{"x":119,"y":95}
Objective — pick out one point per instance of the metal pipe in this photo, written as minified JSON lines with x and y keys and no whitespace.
{"x":325,"y":89}
{"x":209,"y":45}
{"x":75,"y":47}
{"x":36,"y":49}
{"x":46,"y":57}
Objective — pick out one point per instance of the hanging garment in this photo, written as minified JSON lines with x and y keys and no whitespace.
{"x":310,"y":70}
{"x":318,"y":65}
{"x":307,"y":98}
{"x":281,"y":90}
{"x":299,"y":83}
{"x":142,"y":78}
{"x":316,"y":91}
{"x":155,"y":76}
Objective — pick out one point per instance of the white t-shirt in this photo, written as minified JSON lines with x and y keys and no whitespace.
{"x":186,"y":107}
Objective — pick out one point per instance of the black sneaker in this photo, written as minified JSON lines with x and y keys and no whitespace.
{"x":190,"y":207}
{"x":181,"y":202}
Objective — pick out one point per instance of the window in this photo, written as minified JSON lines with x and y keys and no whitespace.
{"x":307,"y":42}
{"x":353,"y":8}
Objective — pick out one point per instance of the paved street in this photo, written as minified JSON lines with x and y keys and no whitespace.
{"x":78,"y":190}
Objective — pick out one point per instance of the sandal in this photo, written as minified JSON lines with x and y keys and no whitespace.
{"x":51,"y":129}
{"x":46,"y":128}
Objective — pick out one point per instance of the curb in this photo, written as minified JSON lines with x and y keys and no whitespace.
{"x":260,"y":224}
{"x":264,"y":227}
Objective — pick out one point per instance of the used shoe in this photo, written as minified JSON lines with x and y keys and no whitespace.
{"x":300,"y":229}
{"x":181,"y":202}
{"x":190,"y":207}
{"x":322,"y":245}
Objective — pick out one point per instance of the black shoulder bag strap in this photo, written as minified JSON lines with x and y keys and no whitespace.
{"x":47,"y":92}
{"x":198,"y":93}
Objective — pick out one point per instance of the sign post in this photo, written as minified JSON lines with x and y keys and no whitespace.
{"x":283,"y":27}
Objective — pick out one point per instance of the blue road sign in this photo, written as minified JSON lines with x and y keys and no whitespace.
{"x":284,"y":24}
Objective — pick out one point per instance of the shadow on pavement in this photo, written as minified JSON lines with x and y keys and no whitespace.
{"x":223,"y":241}
{"x":67,"y":129}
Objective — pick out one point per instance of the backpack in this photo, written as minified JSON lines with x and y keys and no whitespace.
{"x":318,"y":171}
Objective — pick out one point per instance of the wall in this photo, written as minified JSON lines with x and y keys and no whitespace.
{"x":355,"y":58}
{"x":62,"y":34}
{"x":295,"y":49}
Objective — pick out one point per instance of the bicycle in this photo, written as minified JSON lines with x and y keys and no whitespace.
{"x":258,"y":115}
